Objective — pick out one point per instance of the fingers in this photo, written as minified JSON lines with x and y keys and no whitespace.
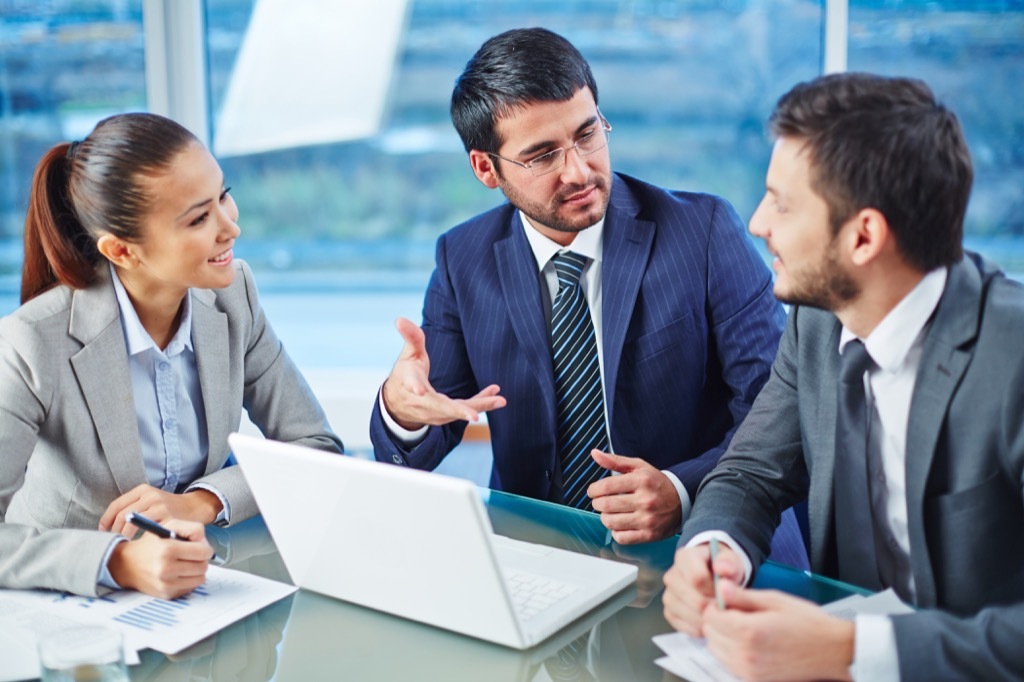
{"x":140,"y":500}
{"x":728,"y":564}
{"x":486,"y":400}
{"x":436,"y":408}
{"x":162,"y":568}
{"x":157,"y":505}
{"x":622,"y":465}
{"x":743,"y":599}
{"x":688,"y":590}
{"x":415,"y":340}
{"x":118,"y":507}
{"x":190,"y":530}
{"x":634,"y":536}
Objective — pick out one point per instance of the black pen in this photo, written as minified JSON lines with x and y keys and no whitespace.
{"x":150,"y":526}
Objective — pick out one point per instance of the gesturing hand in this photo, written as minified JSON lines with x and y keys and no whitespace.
{"x":412,"y":401}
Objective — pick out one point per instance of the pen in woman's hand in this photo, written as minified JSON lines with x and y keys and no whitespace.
{"x":150,"y":526}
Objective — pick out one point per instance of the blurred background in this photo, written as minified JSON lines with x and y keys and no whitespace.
{"x":330,"y":119}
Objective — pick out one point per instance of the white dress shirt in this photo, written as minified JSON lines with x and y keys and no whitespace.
{"x":588,"y":242}
{"x":895,"y":345}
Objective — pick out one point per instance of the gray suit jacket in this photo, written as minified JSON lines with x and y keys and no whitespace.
{"x":964,"y":466}
{"x":69,"y":442}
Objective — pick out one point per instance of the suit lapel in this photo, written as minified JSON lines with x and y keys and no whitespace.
{"x":520,"y":286}
{"x":210,"y":342}
{"x":823,"y":440}
{"x":942,"y":365}
{"x":624,"y":254}
{"x":101,"y":367}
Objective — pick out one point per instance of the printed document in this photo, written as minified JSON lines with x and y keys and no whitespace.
{"x":146,"y":622}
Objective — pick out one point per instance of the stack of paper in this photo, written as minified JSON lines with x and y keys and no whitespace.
{"x":165,"y":625}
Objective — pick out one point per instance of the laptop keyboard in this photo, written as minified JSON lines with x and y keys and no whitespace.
{"x":532,"y":593}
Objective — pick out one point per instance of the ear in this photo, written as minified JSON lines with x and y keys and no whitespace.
{"x":483,"y":167}
{"x":117,"y":251}
{"x":869,"y":236}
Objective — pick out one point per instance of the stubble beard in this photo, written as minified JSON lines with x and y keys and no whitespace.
{"x":548,"y":215}
{"x":827,"y":286}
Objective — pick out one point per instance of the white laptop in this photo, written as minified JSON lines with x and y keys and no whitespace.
{"x":416,"y":544}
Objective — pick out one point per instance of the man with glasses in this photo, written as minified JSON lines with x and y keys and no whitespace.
{"x":600,"y":313}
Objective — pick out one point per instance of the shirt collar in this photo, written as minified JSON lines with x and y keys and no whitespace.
{"x":136,"y":336}
{"x":587,"y":242}
{"x":889,"y":343}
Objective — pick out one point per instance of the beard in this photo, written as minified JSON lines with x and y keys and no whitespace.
{"x":556,"y":214}
{"x":826,"y":285}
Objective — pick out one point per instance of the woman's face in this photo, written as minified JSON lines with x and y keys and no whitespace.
{"x":186,"y":239}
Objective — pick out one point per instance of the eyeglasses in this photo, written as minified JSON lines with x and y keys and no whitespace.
{"x":593,"y":141}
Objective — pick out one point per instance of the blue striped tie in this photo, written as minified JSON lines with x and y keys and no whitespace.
{"x":580,"y":398}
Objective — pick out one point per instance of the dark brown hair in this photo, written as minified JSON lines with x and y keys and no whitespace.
{"x":509,"y":71}
{"x":887,"y":144}
{"x":85,"y":189}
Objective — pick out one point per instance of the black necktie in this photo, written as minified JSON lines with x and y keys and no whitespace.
{"x":855,"y":541}
{"x":578,"y":393}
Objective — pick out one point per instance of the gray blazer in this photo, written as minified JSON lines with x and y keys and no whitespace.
{"x":69,"y":442}
{"x":965,"y":471}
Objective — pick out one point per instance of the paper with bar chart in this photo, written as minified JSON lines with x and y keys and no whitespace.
{"x":165,"y":625}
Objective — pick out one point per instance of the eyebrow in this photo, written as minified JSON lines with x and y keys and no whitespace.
{"x":193,"y":207}
{"x":199,"y":204}
{"x":533,"y":148}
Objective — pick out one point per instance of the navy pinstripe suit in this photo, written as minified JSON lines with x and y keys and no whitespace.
{"x":690,"y":330}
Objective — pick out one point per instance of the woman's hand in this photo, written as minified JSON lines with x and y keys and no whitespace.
{"x":160,"y":506}
{"x":160,"y":567}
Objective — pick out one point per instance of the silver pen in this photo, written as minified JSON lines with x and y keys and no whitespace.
{"x":714,"y":576}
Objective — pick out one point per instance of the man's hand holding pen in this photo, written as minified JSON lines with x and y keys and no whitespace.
{"x":756,"y":634}
{"x":690,"y":585}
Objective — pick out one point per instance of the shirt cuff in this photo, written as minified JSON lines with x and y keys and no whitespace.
{"x":723,"y":537}
{"x":874,"y":650}
{"x":404,"y":436}
{"x":224,"y":517}
{"x":684,"y":496}
{"x":104,"y":578}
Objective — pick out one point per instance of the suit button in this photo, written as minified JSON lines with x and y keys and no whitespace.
{"x":547,"y":474}
{"x":396,"y":459}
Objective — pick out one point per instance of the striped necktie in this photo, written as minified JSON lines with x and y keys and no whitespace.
{"x":578,"y":391}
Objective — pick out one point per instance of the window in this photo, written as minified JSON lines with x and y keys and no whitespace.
{"x":64,"y":65}
{"x":972,"y":55}
{"x":349,"y":224}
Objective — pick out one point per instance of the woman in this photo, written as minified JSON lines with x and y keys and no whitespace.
{"x":139,"y":341}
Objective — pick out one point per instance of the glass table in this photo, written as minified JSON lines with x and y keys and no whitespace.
{"x":311,"y":637}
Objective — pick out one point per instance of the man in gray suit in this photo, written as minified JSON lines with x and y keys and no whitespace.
{"x":912,"y":460}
